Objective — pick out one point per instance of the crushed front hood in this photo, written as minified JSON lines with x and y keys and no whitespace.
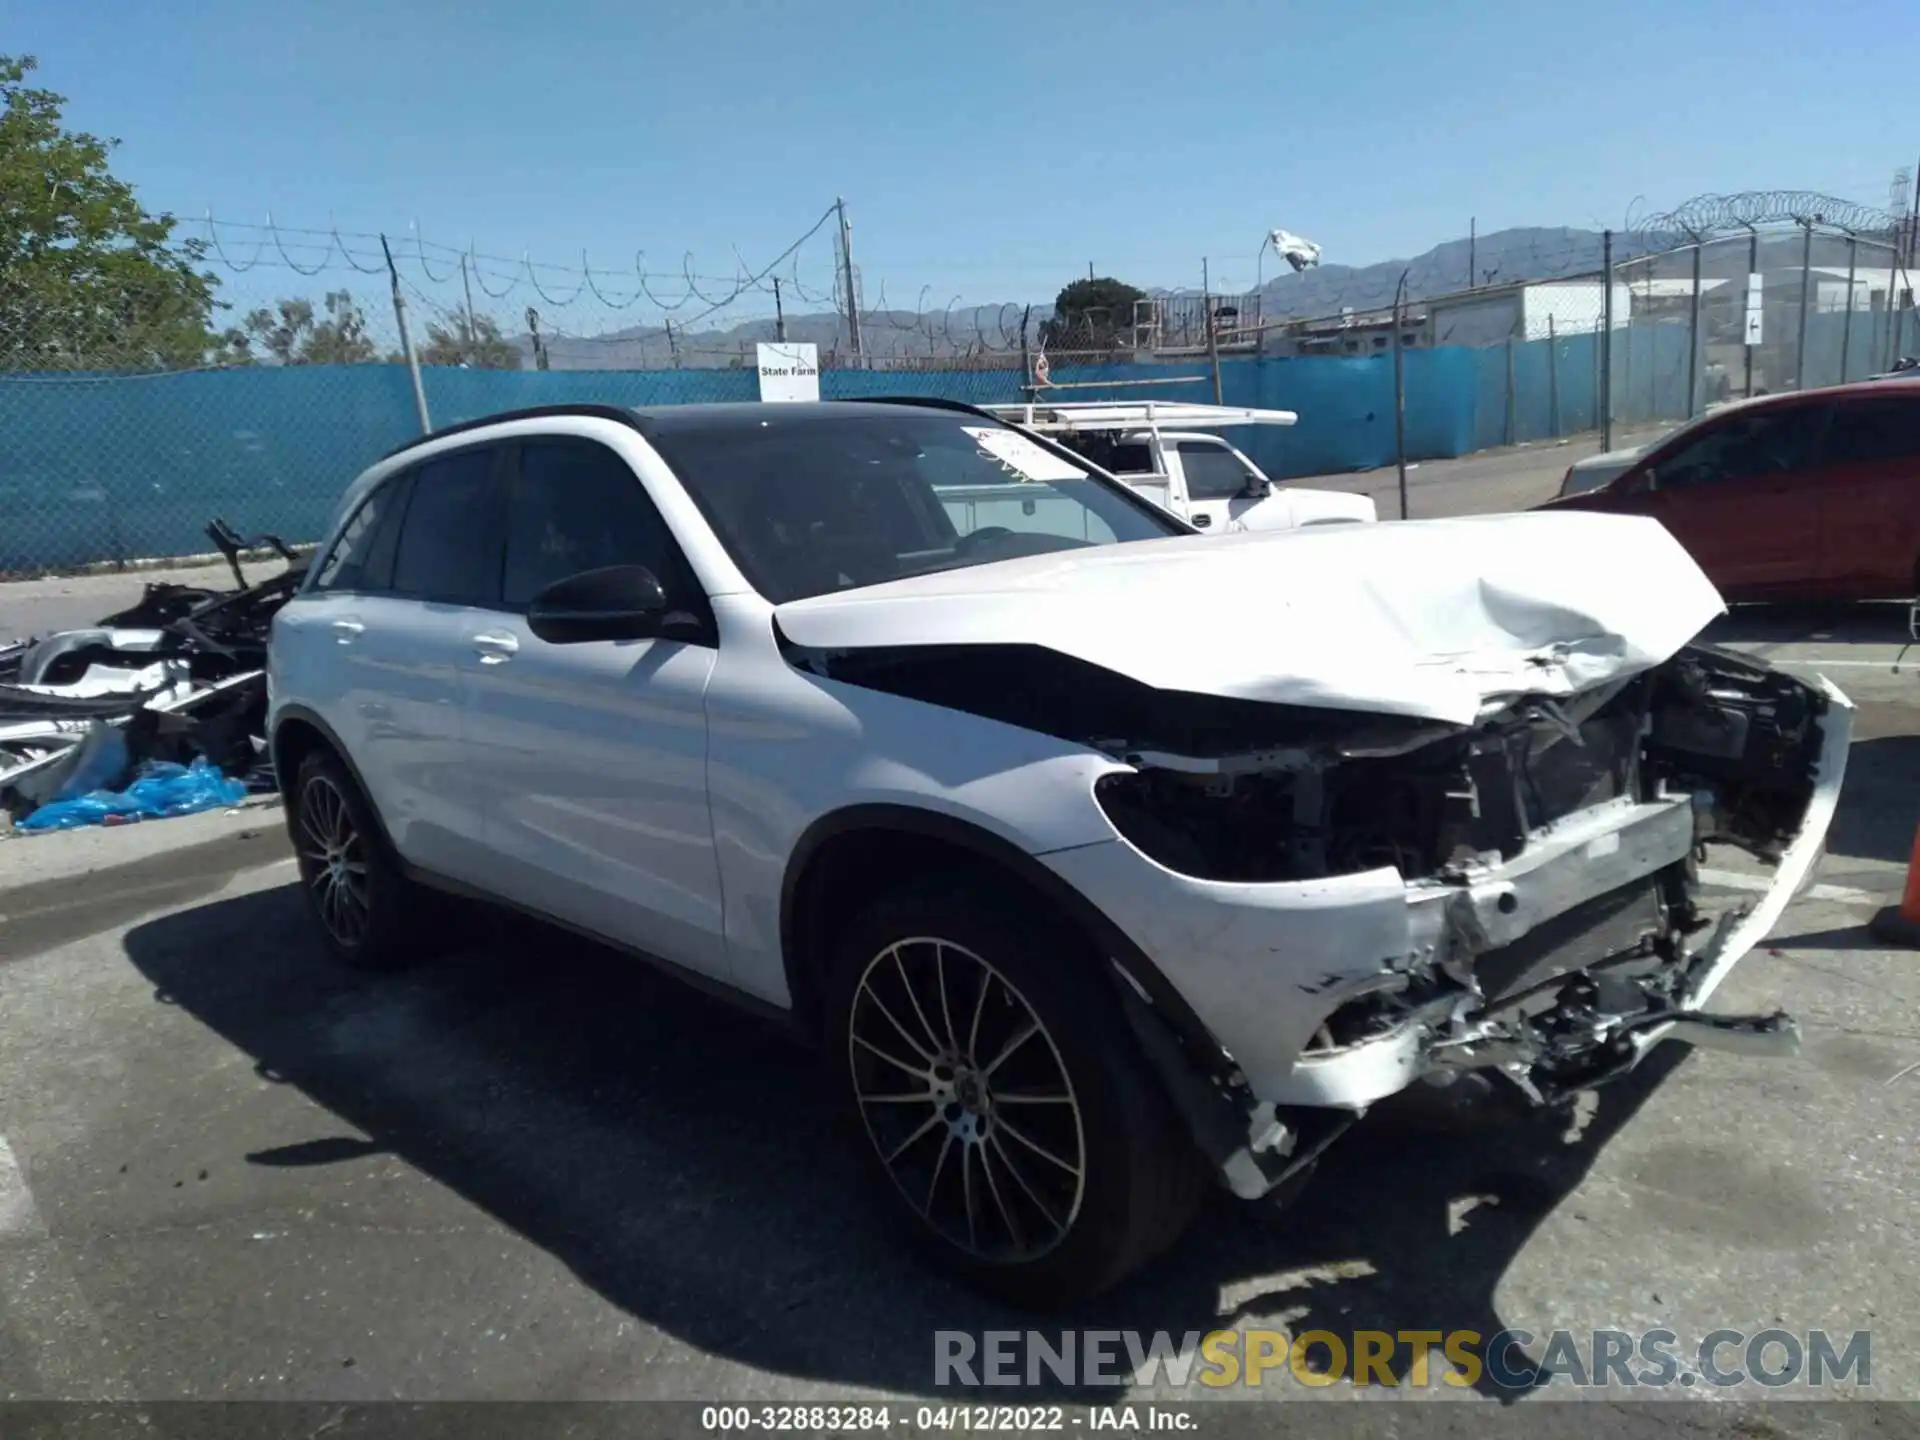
{"x":1430,"y":618}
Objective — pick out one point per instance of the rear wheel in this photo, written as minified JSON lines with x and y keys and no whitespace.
{"x":1001,"y":1097}
{"x":367,"y":910}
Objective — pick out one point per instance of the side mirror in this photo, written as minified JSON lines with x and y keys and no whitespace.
{"x":1258,"y":487}
{"x":620,"y":602}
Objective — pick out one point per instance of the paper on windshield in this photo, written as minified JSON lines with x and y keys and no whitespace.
{"x":1021,"y":455}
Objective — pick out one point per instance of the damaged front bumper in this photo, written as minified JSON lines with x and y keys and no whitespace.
{"x":1557,"y":968}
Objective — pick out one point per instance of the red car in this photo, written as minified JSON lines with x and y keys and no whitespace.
{"x":1814,"y":495}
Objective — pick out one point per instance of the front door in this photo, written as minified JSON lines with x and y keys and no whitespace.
{"x":1217,"y":479}
{"x":591,"y":757}
{"x":1742,"y":497}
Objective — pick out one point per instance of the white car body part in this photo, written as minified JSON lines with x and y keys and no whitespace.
{"x":1438,"y":811}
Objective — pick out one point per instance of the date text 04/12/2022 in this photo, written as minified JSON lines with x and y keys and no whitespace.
{"x":940,"y":1419}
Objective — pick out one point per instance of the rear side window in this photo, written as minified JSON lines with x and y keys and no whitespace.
{"x":1213,"y":473}
{"x":449,"y":546}
{"x":576,"y":505}
{"x":362,"y":558}
{"x":1874,"y":430}
{"x":1760,"y":443}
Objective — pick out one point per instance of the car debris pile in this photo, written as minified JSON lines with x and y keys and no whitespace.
{"x":176,"y":680}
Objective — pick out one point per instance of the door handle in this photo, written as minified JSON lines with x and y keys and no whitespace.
{"x":495,"y":649}
{"x":346,"y":631}
{"x":1203,"y":521}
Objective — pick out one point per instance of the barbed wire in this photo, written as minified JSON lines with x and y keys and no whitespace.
{"x":1709,"y":215}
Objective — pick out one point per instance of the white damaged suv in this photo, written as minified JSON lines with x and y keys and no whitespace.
{"x":1098,"y":856}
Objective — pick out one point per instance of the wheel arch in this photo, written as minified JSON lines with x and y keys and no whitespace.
{"x":297,"y":733}
{"x":862,"y":849}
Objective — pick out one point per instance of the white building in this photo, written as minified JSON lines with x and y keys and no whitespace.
{"x":1525,"y":310}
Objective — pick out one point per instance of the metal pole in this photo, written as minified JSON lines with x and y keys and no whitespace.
{"x":539,"y":345}
{"x":1606,"y":341}
{"x":1806,"y":284}
{"x":1400,"y":393}
{"x":1846,"y":325}
{"x":1512,"y":397}
{"x":1753,"y":269}
{"x":1213,"y":331}
{"x":1026,"y":355}
{"x":1553,"y":377}
{"x":406,"y":341}
{"x":779,"y":313}
{"x":1893,"y":302}
{"x":673,"y":347}
{"x":1473,"y":247}
{"x":1693,"y":341}
{"x":846,"y":269}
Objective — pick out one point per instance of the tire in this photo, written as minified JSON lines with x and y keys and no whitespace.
{"x":368,"y":912}
{"x":1074,"y":1184}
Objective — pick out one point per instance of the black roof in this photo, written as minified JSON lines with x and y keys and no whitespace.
{"x":670,"y":420}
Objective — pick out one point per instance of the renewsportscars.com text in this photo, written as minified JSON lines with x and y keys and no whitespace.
{"x":1721,"y":1359}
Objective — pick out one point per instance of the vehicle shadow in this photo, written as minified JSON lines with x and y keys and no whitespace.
{"x":681,"y":1157}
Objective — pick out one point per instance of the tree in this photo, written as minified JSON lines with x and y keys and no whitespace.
{"x":471,"y":340}
{"x":1092,"y":315}
{"x":292,"y":334}
{"x":88,"y":277}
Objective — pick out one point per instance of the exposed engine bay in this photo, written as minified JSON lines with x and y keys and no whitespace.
{"x":1548,"y":853}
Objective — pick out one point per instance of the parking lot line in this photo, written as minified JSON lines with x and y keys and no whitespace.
{"x":1735,"y":880}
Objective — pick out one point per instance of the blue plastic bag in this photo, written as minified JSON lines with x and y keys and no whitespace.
{"x":160,"y":789}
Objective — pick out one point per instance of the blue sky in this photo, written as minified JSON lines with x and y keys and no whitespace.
{"x":986,"y":149}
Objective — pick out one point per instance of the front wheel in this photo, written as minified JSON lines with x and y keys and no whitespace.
{"x":1001,"y":1097}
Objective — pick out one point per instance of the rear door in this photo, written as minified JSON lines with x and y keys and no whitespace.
{"x":446,"y":580}
{"x":1870,"y":497}
{"x":589,"y":759}
{"x":1743,"y":497}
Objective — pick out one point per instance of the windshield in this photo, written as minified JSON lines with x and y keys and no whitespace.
{"x":808,"y":504}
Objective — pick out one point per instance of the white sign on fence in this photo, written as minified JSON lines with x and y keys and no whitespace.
{"x":1754,"y":308}
{"x":789,"y":371}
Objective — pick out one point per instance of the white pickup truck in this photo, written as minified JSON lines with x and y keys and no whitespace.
{"x":1160,"y":449}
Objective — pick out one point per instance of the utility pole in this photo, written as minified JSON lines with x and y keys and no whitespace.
{"x":846,"y":278}
{"x":539,"y":345}
{"x":779,"y":313}
{"x":467,"y":286}
{"x":1473,"y":249}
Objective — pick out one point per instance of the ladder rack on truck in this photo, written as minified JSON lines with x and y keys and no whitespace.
{"x":1093,"y":416}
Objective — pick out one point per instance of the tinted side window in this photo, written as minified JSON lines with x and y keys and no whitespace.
{"x":362,"y":558}
{"x":1212,"y":473}
{"x":450,"y":543}
{"x":578,"y":506}
{"x":1769,"y":442}
{"x":1874,"y":430}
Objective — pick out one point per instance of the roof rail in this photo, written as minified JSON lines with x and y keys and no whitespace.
{"x":587,"y":409}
